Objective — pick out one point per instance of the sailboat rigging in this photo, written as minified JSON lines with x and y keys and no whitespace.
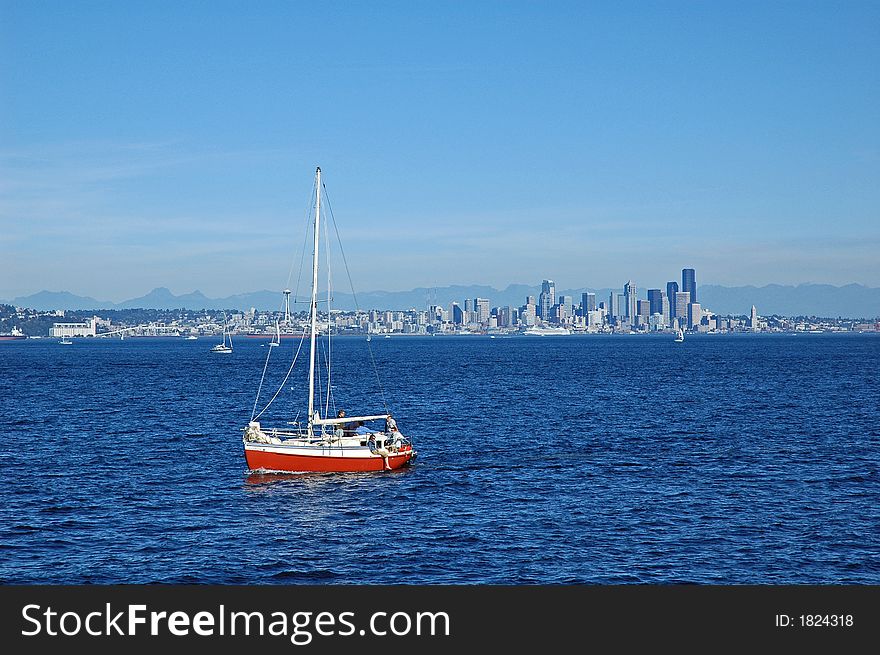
{"x":324,"y":443}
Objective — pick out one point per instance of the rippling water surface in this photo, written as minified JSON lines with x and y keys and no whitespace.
{"x":725,"y":459}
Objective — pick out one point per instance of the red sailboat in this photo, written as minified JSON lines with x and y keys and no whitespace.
{"x":327,"y":444}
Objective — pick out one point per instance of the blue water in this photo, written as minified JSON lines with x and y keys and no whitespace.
{"x":726,"y":459}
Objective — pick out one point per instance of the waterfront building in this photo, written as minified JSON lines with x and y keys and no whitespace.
{"x":656,"y":322}
{"x":689,"y":282}
{"x":753,"y":320}
{"x":65,"y":330}
{"x":671,"y":290}
{"x":665,"y":310}
{"x":629,"y":291}
{"x":620,"y":308}
{"x":596,"y":317}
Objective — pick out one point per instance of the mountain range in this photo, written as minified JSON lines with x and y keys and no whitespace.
{"x":850,"y":301}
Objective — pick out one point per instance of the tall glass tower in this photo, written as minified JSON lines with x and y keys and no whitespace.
{"x":629,"y":291}
{"x":655,"y":299}
{"x":689,"y":282}
{"x":671,"y":290}
{"x":547,"y":298}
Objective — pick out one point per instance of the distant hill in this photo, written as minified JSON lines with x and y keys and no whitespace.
{"x":49,"y":300}
{"x":162,"y":298}
{"x":850,"y":301}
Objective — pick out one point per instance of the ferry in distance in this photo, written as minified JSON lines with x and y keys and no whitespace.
{"x":546,"y":331}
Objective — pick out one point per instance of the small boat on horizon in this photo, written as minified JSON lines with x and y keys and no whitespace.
{"x":679,"y":336}
{"x":225,"y":347}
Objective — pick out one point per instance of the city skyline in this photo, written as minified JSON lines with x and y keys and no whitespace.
{"x":852,"y":301}
{"x":478,"y":143}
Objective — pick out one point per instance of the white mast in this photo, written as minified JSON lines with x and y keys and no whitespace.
{"x":314,"y":303}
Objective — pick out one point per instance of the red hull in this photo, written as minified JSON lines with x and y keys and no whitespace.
{"x":257,"y":459}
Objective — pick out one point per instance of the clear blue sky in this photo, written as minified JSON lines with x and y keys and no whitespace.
{"x":174,"y":143}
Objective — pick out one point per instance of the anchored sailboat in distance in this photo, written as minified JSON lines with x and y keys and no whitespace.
{"x":226,"y":346}
{"x":324,"y":443}
{"x":276,"y":338}
{"x":679,"y":336}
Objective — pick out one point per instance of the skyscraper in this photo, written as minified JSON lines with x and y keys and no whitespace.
{"x":644,"y":311}
{"x":456,"y":314}
{"x":682,"y":300}
{"x":671,"y":290}
{"x":481,"y":309}
{"x":689,"y":282}
{"x":566,"y":307}
{"x":588,"y":303}
{"x":547,"y":299}
{"x":753,"y":319}
{"x":655,"y":298}
{"x":664,"y":310}
{"x":695,"y":315}
{"x":629,"y":291}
